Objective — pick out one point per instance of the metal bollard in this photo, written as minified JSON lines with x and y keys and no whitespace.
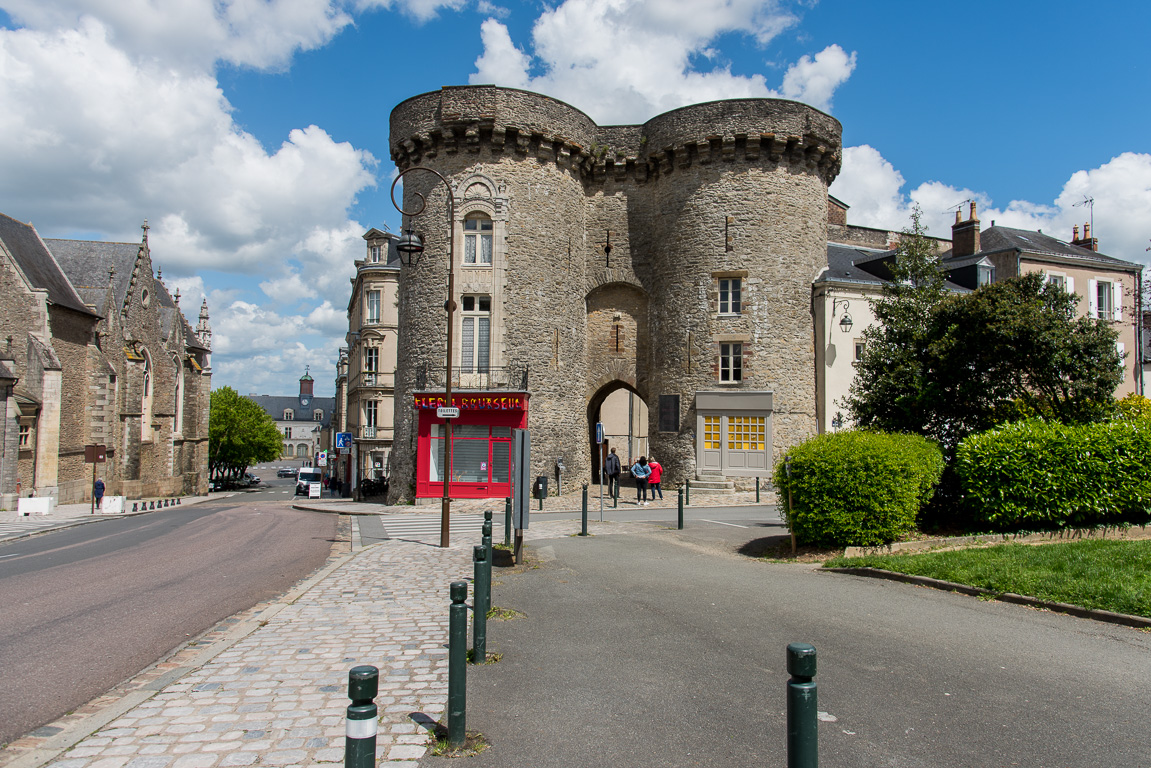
{"x":134,"y":507}
{"x":151,"y":505}
{"x":486,"y":535}
{"x":687,"y":491}
{"x":481,"y":597}
{"x":583,"y":523}
{"x":363,"y":718}
{"x":802,"y":707}
{"x":507,"y":522}
{"x":457,"y":663}
{"x":757,"y":490}
{"x":681,"y":507}
{"x":180,"y":500}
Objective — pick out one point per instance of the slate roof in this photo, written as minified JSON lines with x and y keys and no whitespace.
{"x":87,"y":263}
{"x":38,"y":264}
{"x":275,"y":405}
{"x":863,"y":266}
{"x":995,"y":239}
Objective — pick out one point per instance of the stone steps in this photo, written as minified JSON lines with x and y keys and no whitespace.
{"x":712,"y":484}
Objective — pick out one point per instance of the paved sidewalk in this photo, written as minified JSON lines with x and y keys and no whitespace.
{"x":276,"y":695}
{"x":13,"y":525}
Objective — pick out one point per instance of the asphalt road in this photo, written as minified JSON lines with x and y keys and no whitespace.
{"x":667,"y":650}
{"x":85,"y":608}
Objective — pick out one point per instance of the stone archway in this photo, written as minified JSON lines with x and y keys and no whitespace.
{"x":623,"y":411}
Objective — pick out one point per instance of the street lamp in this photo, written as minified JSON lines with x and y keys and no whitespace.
{"x":411,"y":247}
{"x":845,"y":323}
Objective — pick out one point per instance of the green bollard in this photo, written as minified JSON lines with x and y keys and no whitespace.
{"x":363,"y":718}
{"x":457,"y":663}
{"x":681,"y":507}
{"x":507,"y":522}
{"x":486,"y":538}
{"x":583,"y":523}
{"x":481,"y":597}
{"x":757,"y":490}
{"x":687,"y":492}
{"x":802,"y":711}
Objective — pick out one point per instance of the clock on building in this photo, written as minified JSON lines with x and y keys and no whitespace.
{"x":305,"y":400}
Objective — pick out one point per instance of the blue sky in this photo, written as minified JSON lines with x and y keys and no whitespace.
{"x":252,"y":134}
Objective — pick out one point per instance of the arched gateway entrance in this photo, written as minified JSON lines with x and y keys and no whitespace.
{"x":624,"y":415}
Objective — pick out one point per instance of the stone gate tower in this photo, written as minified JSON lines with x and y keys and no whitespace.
{"x":716,"y":217}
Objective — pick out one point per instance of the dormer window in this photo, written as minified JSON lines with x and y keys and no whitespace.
{"x":986,"y":274}
{"x":289,"y":414}
{"x":374,"y":253}
{"x":317,"y":415}
{"x":477,"y":239}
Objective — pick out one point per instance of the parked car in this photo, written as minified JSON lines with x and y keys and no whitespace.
{"x":249,"y":480}
{"x":286,"y":472}
{"x":305,"y":478}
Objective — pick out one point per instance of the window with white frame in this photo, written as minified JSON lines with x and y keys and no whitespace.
{"x":373,"y":253}
{"x":1057,"y":279}
{"x":371,"y":412}
{"x":477,"y":239}
{"x":476,"y":335}
{"x":317,"y":415}
{"x":371,"y":359}
{"x":288,"y":432}
{"x":1104,"y":299}
{"x":986,"y":275}
{"x":730,"y":290}
{"x":859,"y":347}
{"x":25,"y":435}
{"x":289,"y":414}
{"x":731,"y":362}
{"x":1103,"y":302}
{"x":373,"y":306}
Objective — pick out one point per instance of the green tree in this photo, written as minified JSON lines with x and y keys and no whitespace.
{"x":886,"y":393}
{"x":1015,"y":349}
{"x":240,"y":434}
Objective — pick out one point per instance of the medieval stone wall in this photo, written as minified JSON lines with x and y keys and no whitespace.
{"x":736,"y":188}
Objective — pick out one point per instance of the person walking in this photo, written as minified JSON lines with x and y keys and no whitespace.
{"x":641,"y":472}
{"x":98,"y":492}
{"x":656,"y":476}
{"x":611,"y":470}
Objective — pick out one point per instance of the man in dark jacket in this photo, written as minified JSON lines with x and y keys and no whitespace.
{"x":98,"y":492}
{"x":611,"y":470}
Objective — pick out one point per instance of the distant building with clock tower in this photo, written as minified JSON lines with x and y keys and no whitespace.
{"x":304,"y":420}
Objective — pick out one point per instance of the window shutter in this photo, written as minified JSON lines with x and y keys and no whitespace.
{"x":1120,"y":347}
{"x":468,"y":345}
{"x":1070,"y":284}
{"x":1117,"y":299}
{"x":1092,"y":298}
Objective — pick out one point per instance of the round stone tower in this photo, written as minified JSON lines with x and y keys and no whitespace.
{"x":716,"y":217}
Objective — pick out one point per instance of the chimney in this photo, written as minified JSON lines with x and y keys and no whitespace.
{"x":1087,"y":241}
{"x":965,"y":234}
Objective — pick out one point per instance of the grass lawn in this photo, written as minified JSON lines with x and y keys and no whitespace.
{"x":1105,"y":574}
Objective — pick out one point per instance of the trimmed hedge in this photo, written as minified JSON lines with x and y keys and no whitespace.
{"x":857,"y":488}
{"x":1044,"y":475}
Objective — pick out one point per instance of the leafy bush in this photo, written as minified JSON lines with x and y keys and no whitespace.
{"x":1133,"y":407}
{"x":1042,"y":475}
{"x":857,"y":488}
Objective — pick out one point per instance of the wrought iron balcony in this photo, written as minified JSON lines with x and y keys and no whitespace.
{"x":512,"y":377}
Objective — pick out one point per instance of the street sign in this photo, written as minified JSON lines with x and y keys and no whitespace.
{"x":322,"y":459}
{"x":521,"y":477}
{"x":599,"y":432}
{"x":447,"y":413}
{"x":95,"y":454}
{"x":343,"y":439}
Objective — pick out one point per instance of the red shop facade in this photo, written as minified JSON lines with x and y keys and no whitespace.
{"x":481,"y":443}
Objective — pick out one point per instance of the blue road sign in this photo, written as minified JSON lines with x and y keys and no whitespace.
{"x":343,"y":439}
{"x":599,"y":432}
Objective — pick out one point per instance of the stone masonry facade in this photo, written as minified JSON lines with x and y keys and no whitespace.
{"x":732,"y":191}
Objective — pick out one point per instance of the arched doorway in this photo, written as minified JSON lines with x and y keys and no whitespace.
{"x":624,"y":413}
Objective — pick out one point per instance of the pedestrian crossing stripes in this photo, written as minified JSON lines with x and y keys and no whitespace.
{"x":17,"y":528}
{"x":427,"y":527}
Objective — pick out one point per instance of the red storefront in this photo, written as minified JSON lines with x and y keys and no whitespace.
{"x":481,"y":443}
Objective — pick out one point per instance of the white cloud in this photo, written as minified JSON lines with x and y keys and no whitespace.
{"x":195,"y":33}
{"x":421,"y":10}
{"x":624,"y":61}
{"x":288,"y":289}
{"x":813,"y":81}
{"x":1120,"y":187}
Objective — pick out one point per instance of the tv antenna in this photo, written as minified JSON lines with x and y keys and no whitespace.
{"x":1089,"y":202}
{"x":958,"y":206}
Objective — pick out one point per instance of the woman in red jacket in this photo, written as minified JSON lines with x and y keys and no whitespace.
{"x":653,"y":480}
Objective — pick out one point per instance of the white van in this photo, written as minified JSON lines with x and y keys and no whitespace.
{"x":306,"y":477}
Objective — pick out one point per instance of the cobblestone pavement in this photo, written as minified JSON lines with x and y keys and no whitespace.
{"x":277,"y":697}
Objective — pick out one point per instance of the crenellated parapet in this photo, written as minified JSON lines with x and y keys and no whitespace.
{"x":508,"y":122}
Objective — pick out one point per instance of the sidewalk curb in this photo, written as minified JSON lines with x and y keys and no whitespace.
{"x":70,"y":737}
{"x":1095,"y":614}
{"x":77,"y":521}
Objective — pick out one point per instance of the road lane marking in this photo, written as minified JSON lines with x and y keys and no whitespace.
{"x":719,"y":522}
{"x":4,"y":556}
